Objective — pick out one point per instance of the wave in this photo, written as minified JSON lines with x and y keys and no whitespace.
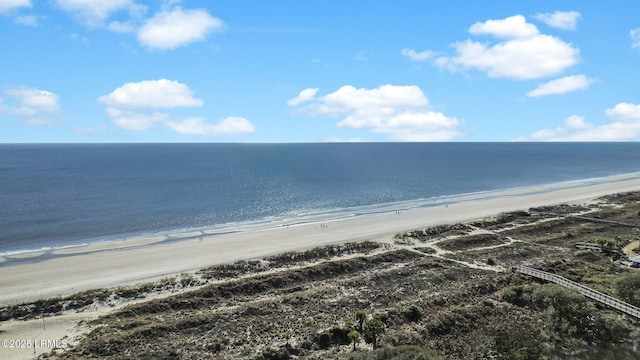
{"x":42,"y":249}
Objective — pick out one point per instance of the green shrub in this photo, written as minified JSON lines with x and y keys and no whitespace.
{"x":361,"y":316}
{"x":514,"y":345}
{"x":568,"y":312}
{"x":372,"y":331}
{"x":627,"y":288}
{"x":273,"y":354}
{"x":404,"y":352}
{"x":354,"y":336}
{"x":412,"y":314}
{"x":334,"y":336}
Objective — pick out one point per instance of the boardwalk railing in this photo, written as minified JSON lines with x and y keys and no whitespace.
{"x":588,"y":292}
{"x":598,"y":247}
{"x":591,"y":219}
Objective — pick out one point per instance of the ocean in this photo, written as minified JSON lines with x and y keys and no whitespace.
{"x":60,"y":195}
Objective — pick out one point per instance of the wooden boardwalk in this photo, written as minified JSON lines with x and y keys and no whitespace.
{"x":588,"y":292}
{"x":590,"y":219}
{"x":598,"y":247}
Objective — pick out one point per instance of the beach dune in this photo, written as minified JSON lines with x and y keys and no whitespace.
{"x":121,"y":264}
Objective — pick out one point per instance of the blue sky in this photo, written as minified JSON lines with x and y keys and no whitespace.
{"x":316,"y":71}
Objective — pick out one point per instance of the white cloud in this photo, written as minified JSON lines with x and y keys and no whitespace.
{"x":635,"y":37}
{"x":94,"y":12}
{"x":7,"y":6}
{"x":168,"y":30}
{"x":400,"y":112}
{"x":624,"y":112}
{"x":513,"y":27}
{"x":624,"y":126}
{"x":134,"y":105}
{"x":561,"y":86}
{"x":155,"y":94}
{"x":28,"y":20}
{"x":136,"y":120}
{"x":384,"y":98}
{"x":572,"y":126}
{"x":417,"y":56}
{"x":33,"y":101}
{"x":198,"y":126}
{"x":566,"y":20}
{"x":523,"y":54}
{"x":139,"y":106}
{"x":304,"y":96}
{"x":576,"y":122}
{"x":10,"y":7}
{"x":32,"y":105}
{"x":122,"y":27}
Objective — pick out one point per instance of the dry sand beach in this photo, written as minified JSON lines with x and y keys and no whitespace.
{"x":145,"y":259}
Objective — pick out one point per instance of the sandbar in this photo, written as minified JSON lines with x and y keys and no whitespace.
{"x":82,"y":270}
{"x":110,"y":245}
{"x":26,"y":255}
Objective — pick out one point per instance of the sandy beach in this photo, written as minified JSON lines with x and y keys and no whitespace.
{"x":146,"y":259}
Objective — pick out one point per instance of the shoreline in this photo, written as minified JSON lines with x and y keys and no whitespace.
{"x":148,"y":238}
{"x":116,"y":263}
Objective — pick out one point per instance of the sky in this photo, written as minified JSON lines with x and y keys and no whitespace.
{"x":94,"y":71}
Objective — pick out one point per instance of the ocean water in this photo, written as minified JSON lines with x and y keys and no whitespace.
{"x":56,"y":195}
